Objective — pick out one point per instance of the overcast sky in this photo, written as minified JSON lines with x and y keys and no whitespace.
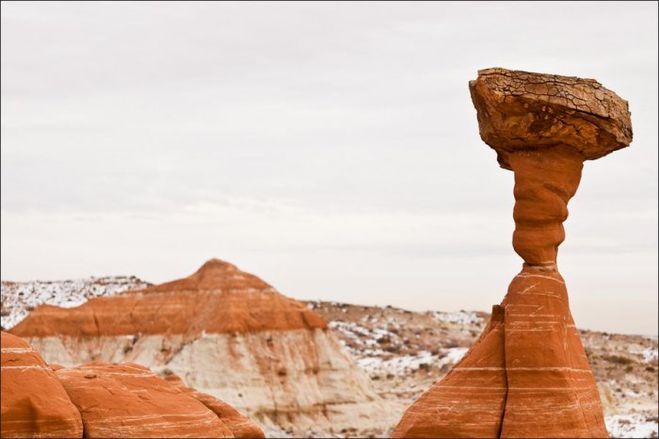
{"x":331,"y":149}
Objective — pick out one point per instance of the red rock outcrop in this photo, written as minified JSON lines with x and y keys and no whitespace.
{"x":105,"y":400}
{"x":128,"y":400}
{"x":228,"y":334}
{"x":528,"y":374}
{"x":34,"y":403}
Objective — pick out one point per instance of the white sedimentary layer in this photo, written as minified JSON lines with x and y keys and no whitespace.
{"x":298,"y":379}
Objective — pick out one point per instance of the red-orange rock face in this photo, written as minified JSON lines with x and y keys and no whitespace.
{"x":105,"y":400}
{"x":218,"y":298}
{"x":34,"y":403}
{"x":528,"y":375}
{"x":128,"y":400}
{"x":471,"y":398}
{"x":551,"y":388}
{"x":545,"y":180}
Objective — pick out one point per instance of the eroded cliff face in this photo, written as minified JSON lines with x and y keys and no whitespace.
{"x":528,"y":374}
{"x":228,"y":334}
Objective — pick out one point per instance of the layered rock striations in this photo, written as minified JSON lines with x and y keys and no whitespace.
{"x":227,"y":334}
{"x":528,"y":374}
{"x":128,"y":400}
{"x":218,"y":298}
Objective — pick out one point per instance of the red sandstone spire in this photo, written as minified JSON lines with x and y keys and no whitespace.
{"x":528,"y":375}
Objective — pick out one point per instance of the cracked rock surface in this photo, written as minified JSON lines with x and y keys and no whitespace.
{"x":525,"y":111}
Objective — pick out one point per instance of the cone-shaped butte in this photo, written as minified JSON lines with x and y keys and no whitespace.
{"x":217,"y":298}
{"x":229,"y":335}
{"x":528,"y":374}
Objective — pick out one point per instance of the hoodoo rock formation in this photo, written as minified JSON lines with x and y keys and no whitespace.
{"x":226,"y":333}
{"x":528,"y":374}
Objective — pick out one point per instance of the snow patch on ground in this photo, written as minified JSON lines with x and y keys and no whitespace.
{"x":453,"y":355}
{"x":404,"y":364}
{"x":362,"y":341}
{"x":631,"y":426}
{"x":460,"y":317}
{"x":650,"y":355}
{"x":374,"y":349}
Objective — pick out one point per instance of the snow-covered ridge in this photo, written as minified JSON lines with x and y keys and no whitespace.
{"x":19,"y":298}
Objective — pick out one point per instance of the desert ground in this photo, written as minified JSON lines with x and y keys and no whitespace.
{"x":404,"y":352}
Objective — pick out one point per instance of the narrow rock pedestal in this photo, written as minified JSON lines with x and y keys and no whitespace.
{"x":528,"y":374}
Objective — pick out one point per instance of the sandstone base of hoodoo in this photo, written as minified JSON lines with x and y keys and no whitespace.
{"x":526,"y":376}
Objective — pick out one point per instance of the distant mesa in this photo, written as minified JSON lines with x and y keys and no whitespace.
{"x":217,"y":298}
{"x":228,"y":334}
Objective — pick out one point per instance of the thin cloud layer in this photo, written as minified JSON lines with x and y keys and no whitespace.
{"x":330,"y":148}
